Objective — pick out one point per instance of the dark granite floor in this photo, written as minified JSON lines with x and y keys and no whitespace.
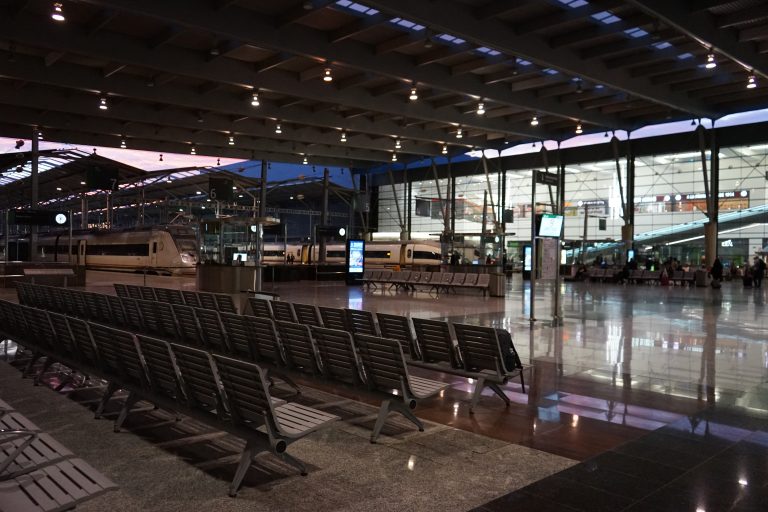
{"x":716,"y":460}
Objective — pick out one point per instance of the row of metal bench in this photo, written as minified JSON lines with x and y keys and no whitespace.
{"x":208,"y":300}
{"x":227,"y":393}
{"x":641,"y":276}
{"x":434,"y":280}
{"x":473,"y":352}
{"x":37,"y":473}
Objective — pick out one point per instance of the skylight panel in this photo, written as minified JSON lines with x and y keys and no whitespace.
{"x":356,"y":7}
{"x":451,"y":39}
{"x":573,"y":3}
{"x":661,"y":45}
{"x":636,"y":32}
{"x":407,"y":24}
{"x":684,"y":56}
{"x":606,"y":17}
{"x":550,"y":71}
{"x":488,"y":51}
{"x":523,"y":62}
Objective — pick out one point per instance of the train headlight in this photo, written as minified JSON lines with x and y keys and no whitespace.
{"x":187,"y":258}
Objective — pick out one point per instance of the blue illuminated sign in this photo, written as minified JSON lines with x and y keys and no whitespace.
{"x":356,"y":261}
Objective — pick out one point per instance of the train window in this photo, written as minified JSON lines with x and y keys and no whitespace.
{"x":154,"y":247}
{"x":409,"y":253}
{"x":426,"y":255}
{"x":117,"y":250}
{"x":378,"y":254}
{"x":335,"y":254}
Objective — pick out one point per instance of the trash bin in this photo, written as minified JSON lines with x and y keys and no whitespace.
{"x":498,"y":285}
{"x":701,"y":278}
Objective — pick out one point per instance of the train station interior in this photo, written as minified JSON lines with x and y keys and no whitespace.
{"x":383,"y":255}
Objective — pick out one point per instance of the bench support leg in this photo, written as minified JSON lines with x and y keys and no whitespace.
{"x":481,"y":384}
{"x":111,"y":390}
{"x":293,"y":461}
{"x":129,"y":402}
{"x":250,"y":451}
{"x":388,"y":406}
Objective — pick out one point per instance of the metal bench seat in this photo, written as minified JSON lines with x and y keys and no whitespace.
{"x":294,"y":420}
{"x":58,"y":487}
{"x":260,"y":307}
{"x":307,"y":314}
{"x":283,"y":311}
{"x":398,"y":328}
{"x":22,"y":451}
{"x":13,"y":420}
{"x":361,"y":322}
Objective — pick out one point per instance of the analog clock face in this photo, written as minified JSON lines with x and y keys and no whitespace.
{"x":61,"y":218}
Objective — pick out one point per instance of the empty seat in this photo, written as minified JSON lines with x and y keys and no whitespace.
{"x":333,"y":318}
{"x":189,"y":328}
{"x":260,"y":307}
{"x":307,"y":314}
{"x":338,"y":356}
{"x":361,"y":322}
{"x":398,"y":328}
{"x":435,"y":341}
{"x":298,"y":346}
{"x":283,"y":311}
{"x":169,"y":295}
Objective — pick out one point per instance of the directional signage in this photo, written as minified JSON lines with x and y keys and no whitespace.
{"x":546,"y":178}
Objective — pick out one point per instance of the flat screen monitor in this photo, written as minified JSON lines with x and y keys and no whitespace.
{"x":551,"y":225}
{"x":630,"y":255}
{"x":527,"y":258}
{"x":240,"y":256}
{"x":356,"y":262}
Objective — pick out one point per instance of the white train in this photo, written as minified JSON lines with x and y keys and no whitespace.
{"x":377,"y":254}
{"x":166,"y":250}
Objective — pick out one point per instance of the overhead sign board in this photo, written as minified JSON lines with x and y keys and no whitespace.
{"x":38,"y":218}
{"x":546,"y":178}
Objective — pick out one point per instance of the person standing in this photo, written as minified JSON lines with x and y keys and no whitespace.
{"x":717,"y":273}
{"x":758,"y":272}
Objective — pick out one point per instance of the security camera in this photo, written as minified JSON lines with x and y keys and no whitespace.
{"x":19,"y":143}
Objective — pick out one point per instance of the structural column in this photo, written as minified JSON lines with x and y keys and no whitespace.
{"x":324,"y":217}
{"x":35,"y":179}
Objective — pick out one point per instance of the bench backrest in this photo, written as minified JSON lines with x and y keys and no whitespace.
{"x":224,"y":303}
{"x":283,"y":311}
{"x":81,"y":335}
{"x":65,"y":344}
{"x":435,"y":341}
{"x":479,"y":347}
{"x":246,"y":391}
{"x":191,"y":298}
{"x":158,"y":319}
{"x":214,"y":336}
{"x":207,"y":301}
{"x":134,"y":291}
{"x":446,"y":278}
{"x":169,"y":295}
{"x":260,"y":334}
{"x":40,"y":329}
{"x":161,"y":372}
{"x":119,"y":354}
{"x":361,"y":322}
{"x":333,"y":318}
{"x":383,"y":363}
{"x":147,"y":293}
{"x":307,"y":314}
{"x":470,"y":279}
{"x":483,"y":280}
{"x":337,"y":354}
{"x":116,"y":310}
{"x":197,"y":378}
{"x":458,"y":279}
{"x":120,"y":290}
{"x":98,"y":306}
{"x":398,"y":328}
{"x":189,"y":328}
{"x":260,"y":307}
{"x":298,"y":346}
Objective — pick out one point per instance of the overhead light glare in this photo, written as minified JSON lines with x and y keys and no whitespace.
{"x":751,"y":82}
{"x":398,"y":145}
{"x":255,"y":100}
{"x":58,"y":12}
{"x":535,"y":121}
{"x":193,"y":150}
{"x":578,"y":129}
{"x":231,"y":140}
{"x":414,"y":94}
{"x":459,"y":134}
{"x":103,"y":103}
{"x":327,"y":76}
{"x":343,"y":136}
{"x":445,"y":149}
{"x":305,"y":161}
{"x":711,"y":64}
{"x":278,"y":129}
{"x":122,"y":144}
{"x":394,"y":157}
{"x":480,"y":108}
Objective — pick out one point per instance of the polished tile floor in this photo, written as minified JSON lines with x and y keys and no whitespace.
{"x":613,"y":385}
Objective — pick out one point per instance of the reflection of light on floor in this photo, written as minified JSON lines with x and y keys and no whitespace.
{"x":575,"y":421}
{"x":355,"y":303}
{"x":411,"y":462}
{"x":743,"y":482}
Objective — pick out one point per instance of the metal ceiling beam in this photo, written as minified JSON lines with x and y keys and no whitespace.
{"x":114,"y":47}
{"x":703,"y":26}
{"x":98,"y":139}
{"x":134,"y":112}
{"x":78,"y":77}
{"x":458,"y":20}
{"x":248,"y":26}
{"x":60,"y":121}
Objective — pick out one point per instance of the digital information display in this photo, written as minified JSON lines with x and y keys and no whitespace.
{"x":551,"y":225}
{"x":527,"y":258}
{"x":356,"y":261}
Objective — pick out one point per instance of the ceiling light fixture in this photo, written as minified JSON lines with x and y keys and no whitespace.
{"x":255,"y":100}
{"x":751,"y":82}
{"x":58,"y":12}
{"x":445,"y":149}
{"x":535,"y":121}
{"x":459,"y":133}
{"x":122,"y":144}
{"x":480,"y":108}
{"x":398,"y":145}
{"x":306,"y":161}
{"x":343,"y":136}
{"x":278,"y":129}
{"x":103,"y":103}
{"x":711,"y":64}
{"x":193,"y":150}
{"x":231,"y":140}
{"x":327,"y":76}
{"x":414,"y":94}
{"x":394,"y":157}
{"x":578,"y":129}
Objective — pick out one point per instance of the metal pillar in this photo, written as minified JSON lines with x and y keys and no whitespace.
{"x":534,"y":267}
{"x":628,"y":229}
{"x":710,"y":239}
{"x":710,"y":228}
{"x":400,"y":222}
{"x":83,"y":212}
{"x":259,"y":233}
{"x":409,"y":211}
{"x":35,"y":179}
{"x":324,"y":216}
